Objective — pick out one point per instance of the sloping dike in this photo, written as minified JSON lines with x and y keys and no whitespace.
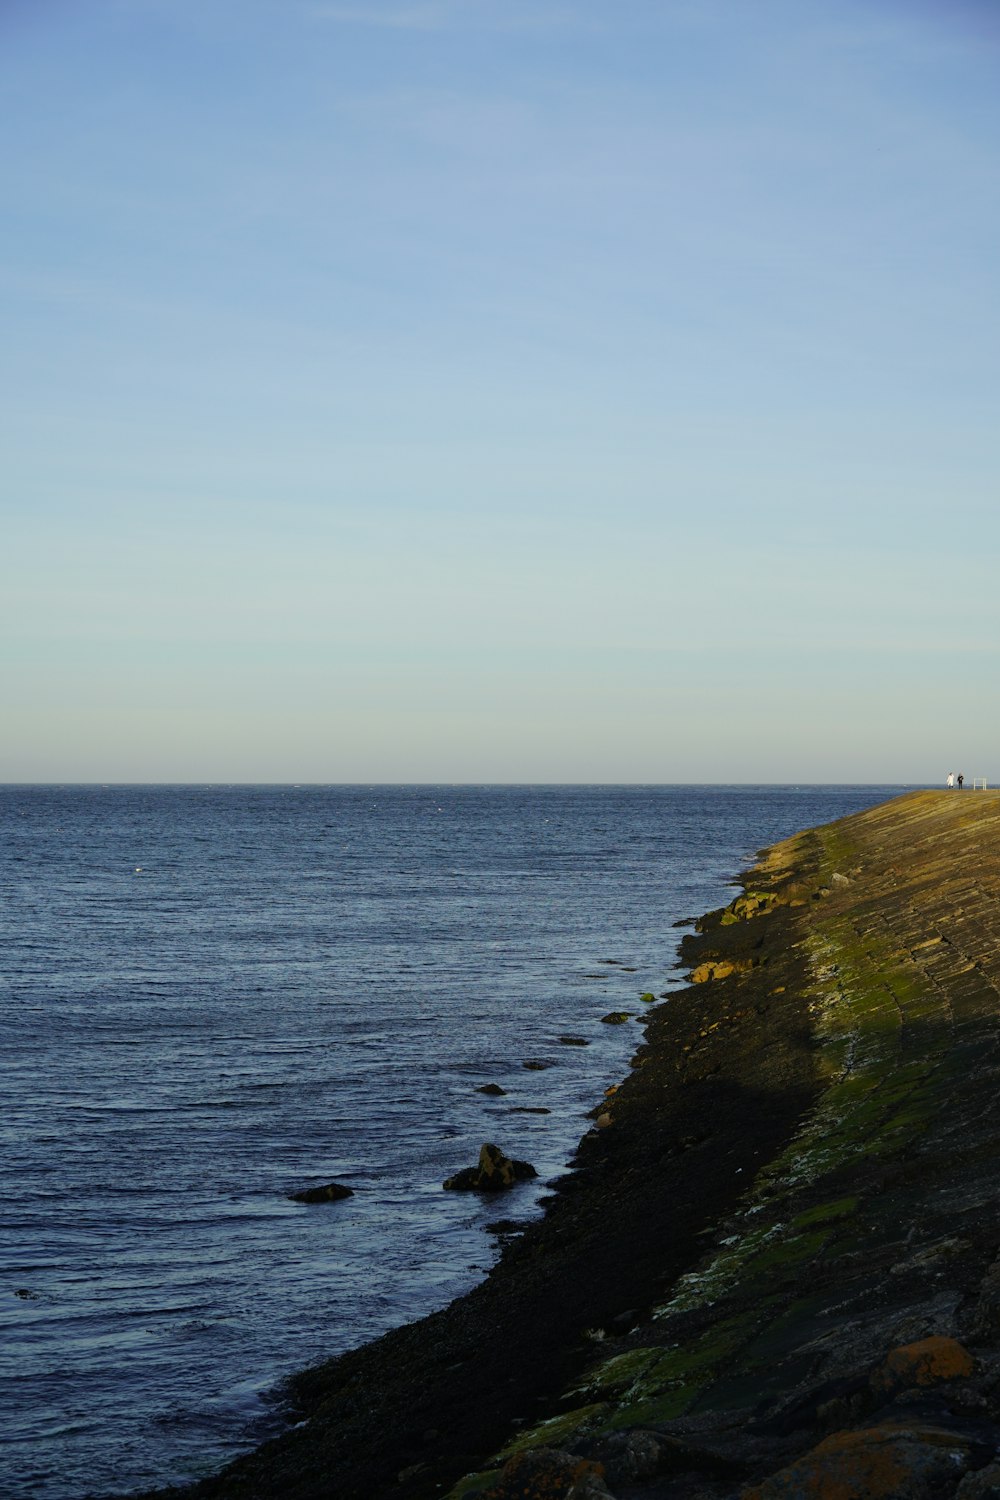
{"x":774,"y":1270}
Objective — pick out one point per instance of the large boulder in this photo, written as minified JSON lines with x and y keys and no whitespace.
{"x":494,"y":1173}
{"x":896,"y":1461}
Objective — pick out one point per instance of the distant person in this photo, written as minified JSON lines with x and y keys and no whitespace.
{"x":961,"y":778}
{"x":951,"y":778}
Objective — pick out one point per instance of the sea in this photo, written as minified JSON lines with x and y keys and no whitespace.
{"x":213,"y":997}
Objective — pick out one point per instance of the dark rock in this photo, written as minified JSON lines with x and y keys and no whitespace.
{"x":548,"y":1474}
{"x":623,"y":1321}
{"x":529,"y":1109}
{"x":329,"y":1193}
{"x":490,"y":1088}
{"x":574,"y":1041}
{"x":494,"y":1173}
{"x":537,"y":1064}
{"x":617,"y":1017}
{"x":631,"y":1456}
{"x":983,"y":1485}
{"x":895,"y":1462}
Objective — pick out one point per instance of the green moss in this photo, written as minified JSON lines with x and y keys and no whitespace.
{"x":662,"y":1408}
{"x":669,"y":1386}
{"x":618,"y":1374}
{"x":473,"y":1484}
{"x":775,"y":1262}
{"x":552,"y":1432}
{"x":708,"y":1283}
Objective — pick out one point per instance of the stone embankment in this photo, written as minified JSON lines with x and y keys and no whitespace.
{"x":774,"y":1273}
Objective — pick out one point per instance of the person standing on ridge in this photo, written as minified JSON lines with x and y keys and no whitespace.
{"x":951,"y":779}
{"x":961,"y":778}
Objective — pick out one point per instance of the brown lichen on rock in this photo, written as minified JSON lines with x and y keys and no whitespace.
{"x":549,"y":1474}
{"x":720,"y":968}
{"x":924,"y":1363}
{"x":875,"y":1463}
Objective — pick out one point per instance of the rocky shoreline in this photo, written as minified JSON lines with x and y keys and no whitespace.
{"x":773,"y":1271}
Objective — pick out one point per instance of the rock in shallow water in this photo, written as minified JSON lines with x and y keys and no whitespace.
{"x":494,"y":1172}
{"x":329,"y":1193}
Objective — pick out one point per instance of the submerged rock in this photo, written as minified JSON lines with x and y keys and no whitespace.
{"x":490,"y":1088}
{"x":494,"y":1173}
{"x":330,"y":1192}
{"x":617,"y":1017}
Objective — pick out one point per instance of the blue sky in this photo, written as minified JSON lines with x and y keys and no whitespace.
{"x":454,"y":390}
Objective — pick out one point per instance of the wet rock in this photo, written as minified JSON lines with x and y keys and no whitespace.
{"x":647,"y":997}
{"x":549,"y":1474}
{"x":494,"y":1173}
{"x":529,"y":1109}
{"x":617,"y":1017}
{"x":330,"y":1192}
{"x":537,"y":1064}
{"x":490,"y":1088}
{"x":574,"y":1041}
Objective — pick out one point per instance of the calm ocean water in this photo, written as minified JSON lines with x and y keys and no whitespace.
{"x":214,"y":996}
